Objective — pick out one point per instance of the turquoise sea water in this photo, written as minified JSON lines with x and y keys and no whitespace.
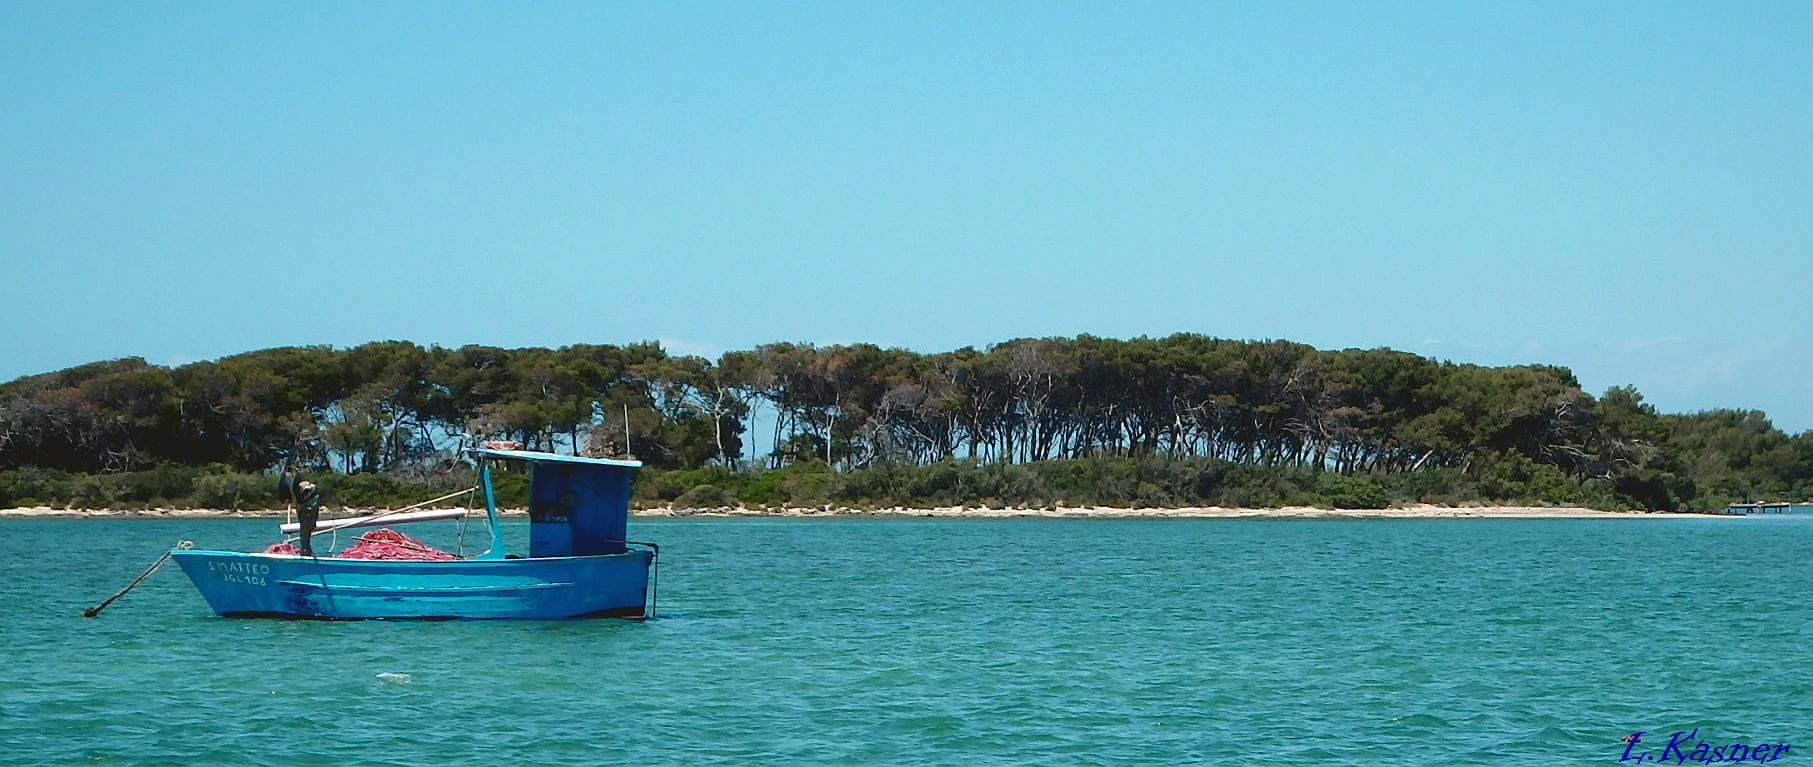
{"x":984,"y":642}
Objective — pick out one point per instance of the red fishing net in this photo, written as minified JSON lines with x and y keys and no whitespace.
{"x":385,"y":543}
{"x":382,"y":543}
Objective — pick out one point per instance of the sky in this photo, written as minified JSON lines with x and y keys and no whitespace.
{"x":1622,"y":188}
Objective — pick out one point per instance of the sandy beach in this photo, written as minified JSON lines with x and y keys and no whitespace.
{"x":1208,"y":512}
{"x":1088,"y":512}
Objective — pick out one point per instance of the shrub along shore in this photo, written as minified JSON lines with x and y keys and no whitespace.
{"x":964,"y":512}
{"x":1159,"y":485}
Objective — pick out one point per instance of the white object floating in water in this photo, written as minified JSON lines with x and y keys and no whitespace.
{"x":393,"y":677}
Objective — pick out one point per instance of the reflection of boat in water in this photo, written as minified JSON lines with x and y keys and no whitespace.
{"x":1769,"y":508}
{"x":579,"y":563}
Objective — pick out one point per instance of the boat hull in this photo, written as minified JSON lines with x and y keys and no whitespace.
{"x":271,"y":585}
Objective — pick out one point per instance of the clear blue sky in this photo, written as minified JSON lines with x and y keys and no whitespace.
{"x":1625,"y":189}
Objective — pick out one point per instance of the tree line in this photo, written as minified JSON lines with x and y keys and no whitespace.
{"x":1237,"y":410}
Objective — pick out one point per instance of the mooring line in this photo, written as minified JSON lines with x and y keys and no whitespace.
{"x":96,"y":610}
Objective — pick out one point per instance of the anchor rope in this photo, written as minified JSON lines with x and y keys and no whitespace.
{"x":96,"y":610}
{"x":467,"y":503}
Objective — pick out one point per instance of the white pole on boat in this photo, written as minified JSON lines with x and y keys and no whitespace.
{"x":291,"y":527}
{"x":389,"y":518}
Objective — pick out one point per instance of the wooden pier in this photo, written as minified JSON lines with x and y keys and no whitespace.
{"x":1760,"y":508}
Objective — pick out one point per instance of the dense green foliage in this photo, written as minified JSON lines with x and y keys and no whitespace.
{"x":1138,"y":482}
{"x":1148,"y":481}
{"x":1183,"y":420}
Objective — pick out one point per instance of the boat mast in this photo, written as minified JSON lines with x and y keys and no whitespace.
{"x":497,"y":529}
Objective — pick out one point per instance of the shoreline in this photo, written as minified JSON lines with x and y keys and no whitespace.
{"x":1419,"y":511}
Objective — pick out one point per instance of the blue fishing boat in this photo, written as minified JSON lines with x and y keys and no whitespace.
{"x":580,"y":563}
